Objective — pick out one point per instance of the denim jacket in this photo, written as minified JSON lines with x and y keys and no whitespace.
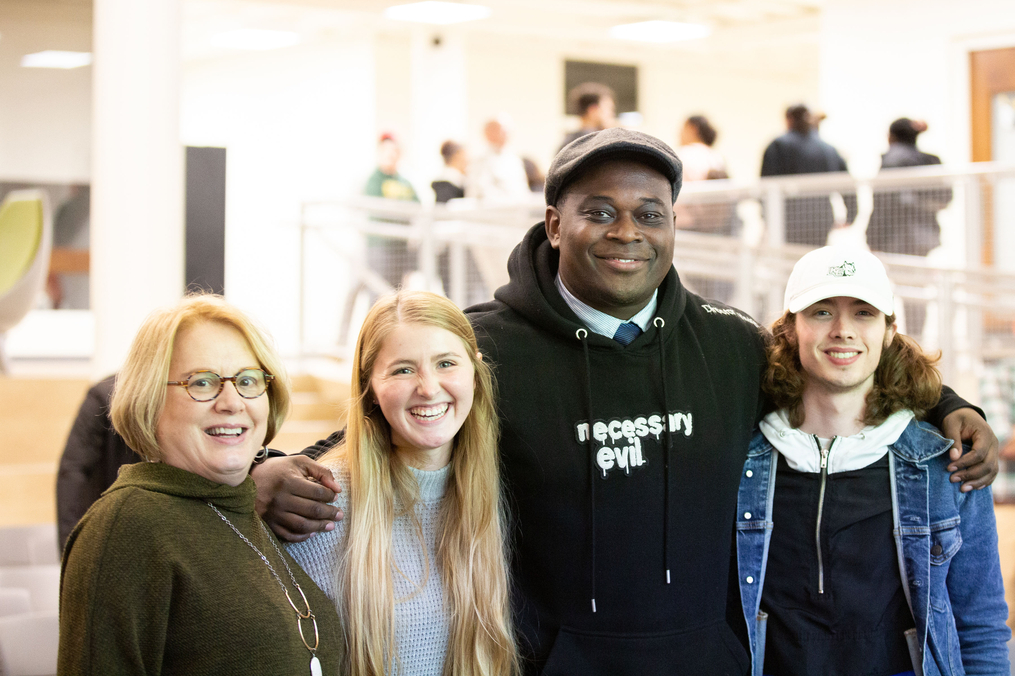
{"x":946,"y":542}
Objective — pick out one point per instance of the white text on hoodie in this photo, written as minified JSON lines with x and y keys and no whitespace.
{"x":620,"y":438}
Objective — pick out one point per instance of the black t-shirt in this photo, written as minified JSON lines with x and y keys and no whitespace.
{"x":856,"y":626}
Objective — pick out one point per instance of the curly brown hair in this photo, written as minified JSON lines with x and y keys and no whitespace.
{"x":906,"y":377}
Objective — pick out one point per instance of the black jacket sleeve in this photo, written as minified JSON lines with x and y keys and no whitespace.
{"x":949,"y":403}
{"x":91,"y":459}
{"x":318,"y":449}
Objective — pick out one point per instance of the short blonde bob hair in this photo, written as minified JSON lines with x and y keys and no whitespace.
{"x":140,"y":392}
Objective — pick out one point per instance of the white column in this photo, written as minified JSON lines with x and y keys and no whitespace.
{"x":438,"y":95}
{"x":137,"y":236}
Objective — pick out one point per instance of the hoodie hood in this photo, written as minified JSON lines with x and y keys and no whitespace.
{"x":532,"y":293}
{"x":846,"y":453}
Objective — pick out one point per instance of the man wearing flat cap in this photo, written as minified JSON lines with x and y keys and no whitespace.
{"x":627,"y":404}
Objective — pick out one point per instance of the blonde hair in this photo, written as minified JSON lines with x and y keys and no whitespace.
{"x":140,"y":392}
{"x":905,"y":377}
{"x":471,"y":557}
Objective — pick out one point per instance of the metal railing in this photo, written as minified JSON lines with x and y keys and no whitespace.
{"x":731,"y":245}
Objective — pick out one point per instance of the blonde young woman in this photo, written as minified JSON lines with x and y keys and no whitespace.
{"x":417,"y":567}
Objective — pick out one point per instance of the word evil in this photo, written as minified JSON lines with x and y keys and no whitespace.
{"x":631,"y":430}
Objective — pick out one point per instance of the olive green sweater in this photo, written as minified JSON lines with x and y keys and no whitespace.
{"x":154,"y":582}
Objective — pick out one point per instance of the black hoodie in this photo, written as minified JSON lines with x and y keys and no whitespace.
{"x":590,"y":511}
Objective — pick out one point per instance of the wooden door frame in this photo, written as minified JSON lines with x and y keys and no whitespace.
{"x":991,"y":71}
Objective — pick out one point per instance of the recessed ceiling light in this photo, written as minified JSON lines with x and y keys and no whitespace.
{"x":52,"y":58}
{"x":436,"y":12}
{"x":660,"y":31}
{"x":255,"y":39}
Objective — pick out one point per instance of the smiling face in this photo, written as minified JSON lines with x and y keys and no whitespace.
{"x":214,"y":439}
{"x":840,"y":341}
{"x":423,"y":380}
{"x":614,"y":229}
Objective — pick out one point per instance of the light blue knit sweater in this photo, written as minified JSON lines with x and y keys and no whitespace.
{"x":421,"y":620}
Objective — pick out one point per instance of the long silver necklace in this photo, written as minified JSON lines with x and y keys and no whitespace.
{"x":315,"y":664}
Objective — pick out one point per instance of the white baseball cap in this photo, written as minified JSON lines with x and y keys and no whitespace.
{"x":839,"y":271}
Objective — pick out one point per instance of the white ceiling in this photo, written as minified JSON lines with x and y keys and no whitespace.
{"x":607,"y":12}
{"x":785,"y":31}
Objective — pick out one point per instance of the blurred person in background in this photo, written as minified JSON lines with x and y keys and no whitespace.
{"x":171,"y":571}
{"x":801,"y":151}
{"x":91,"y":459}
{"x":386,"y":181}
{"x":701,"y":161}
{"x":596,"y":106}
{"x":535,"y":176}
{"x":389,"y":257}
{"x":498,"y":174}
{"x":450,"y":183}
{"x":905,"y":221}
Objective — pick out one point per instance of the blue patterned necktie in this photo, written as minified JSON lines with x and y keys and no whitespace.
{"x":626,"y":333}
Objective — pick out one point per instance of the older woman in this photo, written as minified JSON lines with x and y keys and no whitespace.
{"x":171,"y":571}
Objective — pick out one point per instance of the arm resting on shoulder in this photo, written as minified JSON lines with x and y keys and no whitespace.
{"x":293,"y":492}
{"x":960,"y":421}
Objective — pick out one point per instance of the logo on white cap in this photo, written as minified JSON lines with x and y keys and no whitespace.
{"x":847,"y":269}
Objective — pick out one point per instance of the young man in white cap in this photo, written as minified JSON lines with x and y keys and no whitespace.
{"x":862,"y":558}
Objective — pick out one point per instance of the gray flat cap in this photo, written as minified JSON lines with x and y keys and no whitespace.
{"x":616,"y":143}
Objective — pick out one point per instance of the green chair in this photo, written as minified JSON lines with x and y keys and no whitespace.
{"x":25,"y":244}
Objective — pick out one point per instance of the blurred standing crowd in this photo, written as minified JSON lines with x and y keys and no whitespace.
{"x":902,"y":221}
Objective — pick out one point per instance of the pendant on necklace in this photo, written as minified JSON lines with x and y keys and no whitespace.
{"x":315,"y":666}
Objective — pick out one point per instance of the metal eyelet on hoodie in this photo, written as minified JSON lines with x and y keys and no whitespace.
{"x":659,"y":323}
{"x":582,"y":334}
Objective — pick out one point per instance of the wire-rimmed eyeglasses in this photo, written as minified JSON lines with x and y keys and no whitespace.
{"x":250,"y":383}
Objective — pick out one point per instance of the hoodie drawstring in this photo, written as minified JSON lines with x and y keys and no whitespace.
{"x":659,"y":323}
{"x":582,"y":334}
